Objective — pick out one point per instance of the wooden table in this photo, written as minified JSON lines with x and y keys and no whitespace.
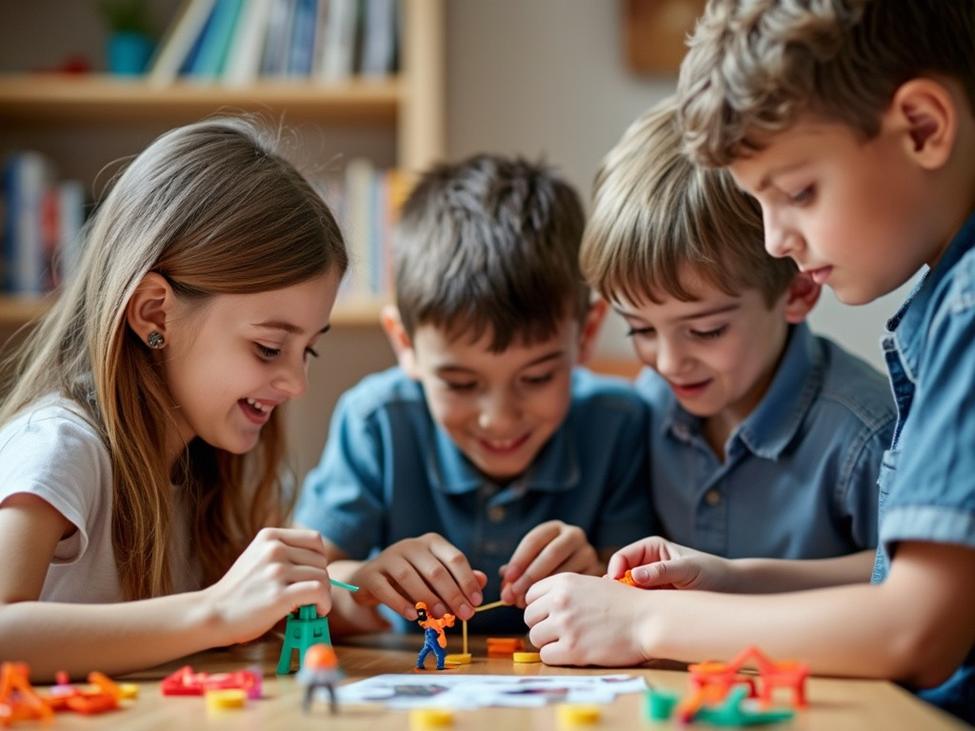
{"x":835,"y":704}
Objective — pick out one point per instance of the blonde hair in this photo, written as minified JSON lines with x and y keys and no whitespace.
{"x":754,"y":66}
{"x":656,"y":213}
{"x":214,"y":209}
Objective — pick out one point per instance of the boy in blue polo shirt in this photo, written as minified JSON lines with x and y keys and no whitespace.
{"x":765,"y":440}
{"x":485,"y":461}
{"x":852,"y":123}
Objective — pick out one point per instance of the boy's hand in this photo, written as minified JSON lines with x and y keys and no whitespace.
{"x":550,"y":548}
{"x":281,"y":569}
{"x":427,"y":569}
{"x":656,"y":563}
{"x":587,"y":620}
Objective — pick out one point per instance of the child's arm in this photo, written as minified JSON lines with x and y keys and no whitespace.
{"x":661,"y":564}
{"x":550,"y":548}
{"x":280,"y":569}
{"x":916,"y":627}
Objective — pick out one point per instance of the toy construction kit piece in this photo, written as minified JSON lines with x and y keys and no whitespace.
{"x":186,"y":682}
{"x":526,"y":657}
{"x":504,"y":646}
{"x":18,"y":699}
{"x":659,"y":705}
{"x":627,"y":579}
{"x":225,"y":699}
{"x":574,"y":715}
{"x":735,"y":712}
{"x":319,"y":671}
{"x":771,"y":675}
{"x":20,"y":702}
{"x":301,"y":632}
{"x":434,"y":639}
{"x":426,"y":719}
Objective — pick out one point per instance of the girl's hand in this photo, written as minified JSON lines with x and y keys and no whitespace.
{"x":427,"y":569}
{"x":587,"y":620}
{"x":656,"y":563}
{"x":282,"y":569}
{"x":549,"y":548}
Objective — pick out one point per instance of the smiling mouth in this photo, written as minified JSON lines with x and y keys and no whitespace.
{"x":689,"y":389}
{"x":255,"y":411}
{"x":503,"y":446}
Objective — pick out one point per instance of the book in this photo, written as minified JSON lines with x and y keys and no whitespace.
{"x":302,"y":50}
{"x":274,"y":57}
{"x":244,"y":57}
{"x":178,"y":41}
{"x":338,"y":54}
{"x":212,"y":56}
{"x":26,"y":177}
{"x":378,"y":38}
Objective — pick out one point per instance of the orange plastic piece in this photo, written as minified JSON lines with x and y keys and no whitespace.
{"x":504,"y":646}
{"x":18,"y":699}
{"x":689,"y":706}
{"x":104,"y":696}
{"x":772,"y":675}
{"x":320,"y":657}
{"x":627,"y":579}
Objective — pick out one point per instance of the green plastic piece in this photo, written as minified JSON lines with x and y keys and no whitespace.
{"x":659,"y":704}
{"x":731,"y":712}
{"x":300,"y":633}
{"x":343,"y":585}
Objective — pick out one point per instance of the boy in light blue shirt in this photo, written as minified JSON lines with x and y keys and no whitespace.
{"x":485,"y":461}
{"x":852,"y":123}
{"x":765,"y":440}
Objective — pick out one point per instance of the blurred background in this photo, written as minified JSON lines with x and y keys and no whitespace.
{"x":370,"y":91}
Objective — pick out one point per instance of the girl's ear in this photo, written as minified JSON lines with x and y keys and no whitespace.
{"x":924,"y":111}
{"x":399,"y":339}
{"x":800,"y":298}
{"x":590,"y":328}
{"x":148,"y":308}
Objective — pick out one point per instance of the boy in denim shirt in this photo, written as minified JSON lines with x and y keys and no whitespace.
{"x":485,"y":457}
{"x":852,"y":124}
{"x":765,"y":440}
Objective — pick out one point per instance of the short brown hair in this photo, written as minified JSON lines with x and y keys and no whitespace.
{"x":490,"y":243}
{"x":754,"y":66}
{"x":654,"y":212}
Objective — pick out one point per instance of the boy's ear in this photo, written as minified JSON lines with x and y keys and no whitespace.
{"x":399,"y":339}
{"x":149,"y":306}
{"x":590,"y":328}
{"x":800,"y":298}
{"x":926,"y":112}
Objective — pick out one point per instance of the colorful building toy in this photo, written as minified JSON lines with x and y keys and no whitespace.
{"x":771,"y":675}
{"x":186,"y":682}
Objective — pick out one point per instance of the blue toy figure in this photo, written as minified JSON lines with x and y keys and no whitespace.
{"x":434,"y":639}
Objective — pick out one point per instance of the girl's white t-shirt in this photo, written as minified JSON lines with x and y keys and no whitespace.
{"x":50,"y":450}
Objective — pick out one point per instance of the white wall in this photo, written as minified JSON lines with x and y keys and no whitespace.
{"x":547,"y":78}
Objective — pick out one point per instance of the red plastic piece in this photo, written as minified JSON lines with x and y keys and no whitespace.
{"x":66,"y":697}
{"x":771,"y":674}
{"x":186,"y":682}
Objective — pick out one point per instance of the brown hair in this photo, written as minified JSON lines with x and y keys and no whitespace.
{"x":655,"y":213}
{"x":753,"y":67}
{"x":213,"y":208}
{"x":490,"y":244}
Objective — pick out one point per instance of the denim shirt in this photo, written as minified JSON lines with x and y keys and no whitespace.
{"x":390,"y":472}
{"x":927,"y":482}
{"x":799,"y":479}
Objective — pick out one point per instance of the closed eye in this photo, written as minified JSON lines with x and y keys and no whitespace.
{"x":804,"y":196}
{"x":538,"y":380}
{"x":460,"y":387}
{"x":267,"y":353}
{"x":640,"y":332}
{"x":709,"y":334}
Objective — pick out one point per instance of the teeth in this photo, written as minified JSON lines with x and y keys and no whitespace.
{"x":257,"y":405}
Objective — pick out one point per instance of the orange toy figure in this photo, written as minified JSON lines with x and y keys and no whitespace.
{"x":319,"y":669}
{"x":627,"y":579}
{"x":434,"y":639}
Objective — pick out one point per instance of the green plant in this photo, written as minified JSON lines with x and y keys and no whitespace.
{"x":122,"y":16}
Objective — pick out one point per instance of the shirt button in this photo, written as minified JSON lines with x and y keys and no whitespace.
{"x":712,"y":498}
{"x":496,"y":513}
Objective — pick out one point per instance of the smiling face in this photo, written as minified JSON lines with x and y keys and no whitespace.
{"x":852,"y":213}
{"x":500,"y":409}
{"x":718,"y":352}
{"x":231,"y":361}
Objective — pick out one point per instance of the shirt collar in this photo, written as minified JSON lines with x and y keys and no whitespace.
{"x":555,"y":468}
{"x":769,"y":429}
{"x":908,"y":324}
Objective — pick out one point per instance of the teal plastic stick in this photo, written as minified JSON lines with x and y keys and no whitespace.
{"x":343,"y":585}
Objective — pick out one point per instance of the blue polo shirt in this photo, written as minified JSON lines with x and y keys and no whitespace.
{"x":927,"y":482}
{"x":799,"y":479}
{"x":389,"y":472}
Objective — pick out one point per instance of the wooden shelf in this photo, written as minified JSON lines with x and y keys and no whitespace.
{"x":18,"y":310}
{"x":53,"y":98}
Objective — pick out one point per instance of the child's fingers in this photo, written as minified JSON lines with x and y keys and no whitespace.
{"x":456,"y":563}
{"x":304,"y":557}
{"x":548,"y":559}
{"x":380,"y":587}
{"x":481,"y":579}
{"x":529,"y":547}
{"x":296,"y":537}
{"x":307,"y":592}
{"x":643,"y":551}
{"x":407,"y":571}
{"x":443,"y":584}
{"x":663,"y":573}
{"x":583,"y":561}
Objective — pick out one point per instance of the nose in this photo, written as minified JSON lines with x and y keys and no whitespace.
{"x":777,"y":239}
{"x":292,"y":379}
{"x":499,"y":412}
{"x":670,"y":358}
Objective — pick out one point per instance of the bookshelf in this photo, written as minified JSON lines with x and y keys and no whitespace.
{"x":400,"y":116}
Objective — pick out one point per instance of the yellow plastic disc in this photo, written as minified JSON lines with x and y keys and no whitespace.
{"x":225,"y":699}
{"x":578,"y":715}
{"x":423,"y":719}
{"x":129,"y":690}
{"x":461,"y":658}
{"x":526,"y":657}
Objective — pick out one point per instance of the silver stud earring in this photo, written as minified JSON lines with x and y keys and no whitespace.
{"x":156,"y":341}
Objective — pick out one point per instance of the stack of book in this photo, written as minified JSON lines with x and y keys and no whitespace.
{"x":366,"y":204}
{"x":40,"y":225}
{"x":237,"y":42}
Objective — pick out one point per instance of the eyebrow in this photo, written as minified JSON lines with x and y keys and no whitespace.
{"x":288,"y":327}
{"x":455,"y":368}
{"x":766,"y":181}
{"x":692,"y":316}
